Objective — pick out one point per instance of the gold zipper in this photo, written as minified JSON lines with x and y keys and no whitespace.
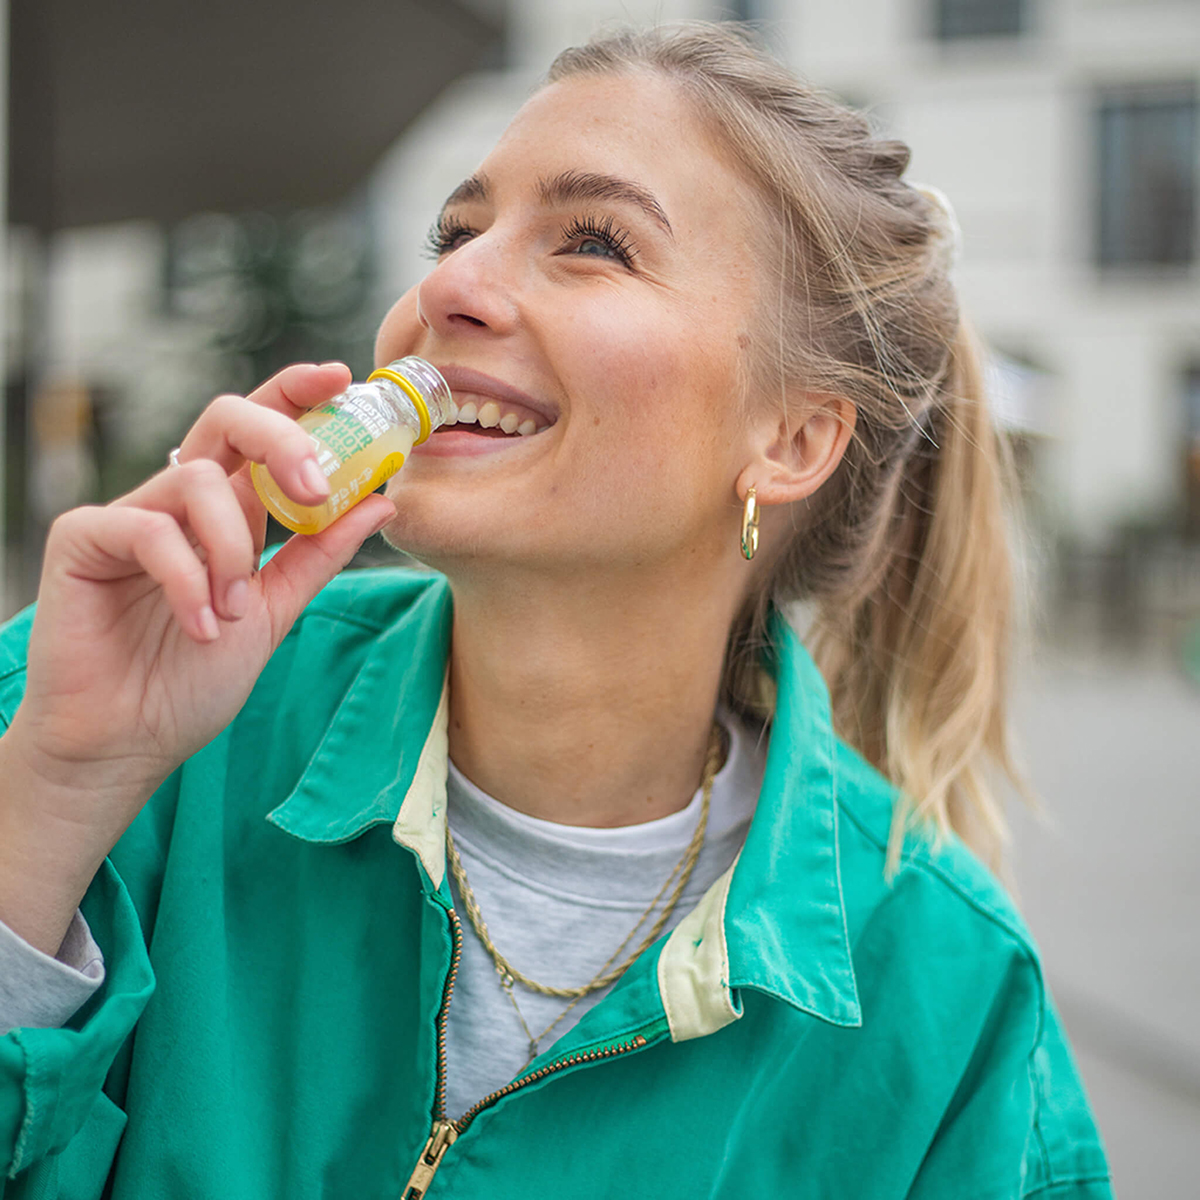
{"x":439,"y":1142}
{"x":445,"y":1132}
{"x":439,"y":1091}
{"x":587,"y":1056}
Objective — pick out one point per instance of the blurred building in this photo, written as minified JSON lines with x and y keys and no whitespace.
{"x":182,"y":215}
{"x":1065,"y":132}
{"x":1067,"y":135}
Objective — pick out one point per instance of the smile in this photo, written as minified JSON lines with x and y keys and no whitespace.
{"x":491,"y":418}
{"x":488,"y":407}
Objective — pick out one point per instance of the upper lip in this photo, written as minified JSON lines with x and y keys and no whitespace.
{"x":465,"y":379}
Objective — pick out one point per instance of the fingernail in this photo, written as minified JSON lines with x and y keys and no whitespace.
{"x":383,"y":523}
{"x":314,"y":478}
{"x":237,"y":598}
{"x":208,"y":624}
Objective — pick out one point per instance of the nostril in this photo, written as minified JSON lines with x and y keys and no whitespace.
{"x":465,"y":317}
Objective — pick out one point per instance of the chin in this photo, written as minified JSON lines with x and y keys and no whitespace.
{"x":439,"y":542}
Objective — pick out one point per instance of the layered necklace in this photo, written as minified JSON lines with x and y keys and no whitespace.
{"x":608,"y":973}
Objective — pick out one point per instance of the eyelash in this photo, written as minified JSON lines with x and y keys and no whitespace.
{"x":442,"y":235}
{"x":606,"y":231}
{"x":448,"y":229}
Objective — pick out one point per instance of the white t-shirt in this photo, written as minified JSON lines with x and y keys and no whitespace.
{"x":557,"y":899}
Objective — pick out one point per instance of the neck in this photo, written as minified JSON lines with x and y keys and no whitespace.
{"x":586,"y":702}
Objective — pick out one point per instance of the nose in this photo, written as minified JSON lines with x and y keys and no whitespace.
{"x":470,"y":290}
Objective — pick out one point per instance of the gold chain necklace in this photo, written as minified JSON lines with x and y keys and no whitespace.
{"x":607,"y":974}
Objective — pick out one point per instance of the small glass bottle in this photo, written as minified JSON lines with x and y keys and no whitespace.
{"x":363,"y":437}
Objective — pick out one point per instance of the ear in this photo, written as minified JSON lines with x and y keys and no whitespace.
{"x":796,"y":453}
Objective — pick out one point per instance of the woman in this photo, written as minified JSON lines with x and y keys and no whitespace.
{"x":714,"y":296}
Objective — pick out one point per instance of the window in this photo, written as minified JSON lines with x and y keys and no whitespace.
{"x":955,"y":19}
{"x":1147,"y":185}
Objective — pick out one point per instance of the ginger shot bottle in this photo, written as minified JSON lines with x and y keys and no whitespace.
{"x":363,"y":437}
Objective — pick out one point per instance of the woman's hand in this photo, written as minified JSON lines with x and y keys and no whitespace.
{"x":151,"y":629}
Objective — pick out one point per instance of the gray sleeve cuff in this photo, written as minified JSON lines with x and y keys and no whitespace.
{"x":37,"y":991}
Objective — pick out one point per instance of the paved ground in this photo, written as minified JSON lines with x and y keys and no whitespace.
{"x":1111,"y":889}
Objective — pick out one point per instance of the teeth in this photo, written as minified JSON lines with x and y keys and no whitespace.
{"x":489,"y":415}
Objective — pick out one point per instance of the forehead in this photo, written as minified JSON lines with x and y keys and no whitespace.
{"x":634,"y":125}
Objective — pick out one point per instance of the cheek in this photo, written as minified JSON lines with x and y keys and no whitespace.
{"x":399,"y":330}
{"x":664,"y":387}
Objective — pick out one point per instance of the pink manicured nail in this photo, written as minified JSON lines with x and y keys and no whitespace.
{"x":314,"y":478}
{"x":208,"y":624}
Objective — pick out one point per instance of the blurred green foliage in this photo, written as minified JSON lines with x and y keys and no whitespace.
{"x":275,"y":289}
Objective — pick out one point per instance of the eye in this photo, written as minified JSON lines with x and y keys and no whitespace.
{"x":602,"y":238}
{"x":446,"y":234}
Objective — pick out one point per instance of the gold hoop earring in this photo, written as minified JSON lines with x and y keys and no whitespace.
{"x":750,"y":524}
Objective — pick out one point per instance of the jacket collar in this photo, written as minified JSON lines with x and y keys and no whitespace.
{"x":376,"y":756}
{"x":775,"y":922}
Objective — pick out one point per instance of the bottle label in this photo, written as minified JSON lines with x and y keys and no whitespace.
{"x":345,"y":430}
{"x":386,"y":469}
{"x":349,"y":494}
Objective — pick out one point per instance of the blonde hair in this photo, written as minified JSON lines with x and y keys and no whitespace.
{"x":903,"y":553}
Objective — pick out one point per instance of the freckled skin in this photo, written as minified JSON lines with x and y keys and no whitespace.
{"x":640,"y":363}
{"x":595,"y":567}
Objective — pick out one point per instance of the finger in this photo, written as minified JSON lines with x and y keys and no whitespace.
{"x":104,"y":544}
{"x":234,"y":430}
{"x":296,"y":389}
{"x":290,"y":392}
{"x":252,"y":509}
{"x":201,"y":496}
{"x":307,"y":563}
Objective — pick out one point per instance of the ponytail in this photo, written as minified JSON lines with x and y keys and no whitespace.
{"x":917,"y":660}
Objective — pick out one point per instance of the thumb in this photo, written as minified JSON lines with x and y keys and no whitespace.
{"x":307,"y":563}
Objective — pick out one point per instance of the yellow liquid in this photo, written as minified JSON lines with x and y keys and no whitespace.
{"x":352,"y":476}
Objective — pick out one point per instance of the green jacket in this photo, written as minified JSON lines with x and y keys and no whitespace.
{"x":281,"y":950}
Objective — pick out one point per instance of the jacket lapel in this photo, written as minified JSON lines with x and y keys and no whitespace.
{"x":379,"y":758}
{"x":776,"y":921}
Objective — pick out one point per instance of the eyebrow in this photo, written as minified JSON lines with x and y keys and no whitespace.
{"x":474,"y":187}
{"x":570,"y":187}
{"x":573,"y":186}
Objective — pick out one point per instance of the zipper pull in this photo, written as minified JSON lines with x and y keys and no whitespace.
{"x":439,"y":1142}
